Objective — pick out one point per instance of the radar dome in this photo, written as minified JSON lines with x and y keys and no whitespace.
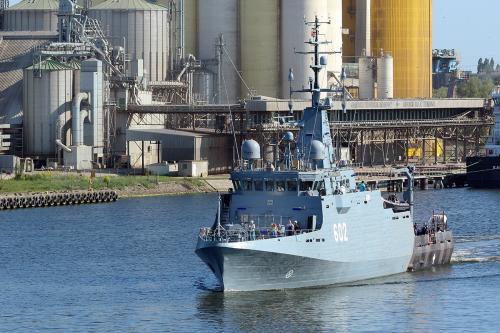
{"x":250,"y":150}
{"x":288,"y":136}
{"x":317,"y":151}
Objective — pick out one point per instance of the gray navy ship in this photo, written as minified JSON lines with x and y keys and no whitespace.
{"x":302,"y":222}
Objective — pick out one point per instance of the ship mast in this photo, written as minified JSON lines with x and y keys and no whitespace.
{"x":315,"y":127}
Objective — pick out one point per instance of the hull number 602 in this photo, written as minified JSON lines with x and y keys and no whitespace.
{"x":340,"y":232}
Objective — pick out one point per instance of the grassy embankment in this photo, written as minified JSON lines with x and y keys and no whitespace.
{"x":124,"y":185}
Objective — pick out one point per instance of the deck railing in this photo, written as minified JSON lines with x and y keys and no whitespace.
{"x":242,"y":235}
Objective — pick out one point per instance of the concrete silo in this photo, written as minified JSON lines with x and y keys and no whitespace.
{"x":260,"y":46}
{"x":404,"y":28}
{"x":217,"y":17}
{"x":32,"y":15}
{"x":143,"y":27}
{"x":190,"y":10}
{"x":47,"y":96}
{"x":293,"y":34}
{"x":366,"y":77}
{"x":335,"y":36}
{"x":363,"y":27}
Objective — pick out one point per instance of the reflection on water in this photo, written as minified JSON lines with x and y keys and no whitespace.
{"x":396,"y":302}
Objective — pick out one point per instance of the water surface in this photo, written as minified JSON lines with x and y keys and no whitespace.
{"x":130,"y":266}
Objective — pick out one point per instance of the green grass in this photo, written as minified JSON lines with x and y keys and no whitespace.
{"x":47,"y":181}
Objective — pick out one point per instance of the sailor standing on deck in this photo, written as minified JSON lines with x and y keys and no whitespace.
{"x":289,"y":228}
{"x":252,"y":230}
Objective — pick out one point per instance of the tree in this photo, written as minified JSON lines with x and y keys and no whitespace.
{"x":497,"y":69}
{"x":492,"y":65}
{"x":480,"y":65}
{"x":475,"y":88}
{"x":486,"y":65}
{"x":440,"y":92}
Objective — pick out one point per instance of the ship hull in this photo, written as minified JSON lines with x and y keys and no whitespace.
{"x":248,"y":270}
{"x":427,"y":254}
{"x":483,"y":172}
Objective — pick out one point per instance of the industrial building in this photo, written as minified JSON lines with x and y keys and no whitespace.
{"x":131,"y":83}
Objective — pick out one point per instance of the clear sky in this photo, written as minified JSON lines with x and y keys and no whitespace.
{"x":468,"y":26}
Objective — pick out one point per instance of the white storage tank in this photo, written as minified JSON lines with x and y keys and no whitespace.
{"x":216,"y":17}
{"x":47,"y":96}
{"x":293,"y":34}
{"x":143,"y":27}
{"x":366,"y":79}
{"x":385,"y":76}
{"x":31,"y":15}
{"x":203,"y":87}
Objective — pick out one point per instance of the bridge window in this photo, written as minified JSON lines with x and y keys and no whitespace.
{"x":258,"y":185}
{"x":280,"y":185}
{"x":246,"y":185}
{"x":269,"y":185}
{"x":306,"y":186}
{"x":291,"y":185}
{"x":319,"y":185}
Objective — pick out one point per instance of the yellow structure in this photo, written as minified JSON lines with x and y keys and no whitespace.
{"x":433,"y":148}
{"x":260,"y":46}
{"x":404,"y":29}
{"x":349,"y":22}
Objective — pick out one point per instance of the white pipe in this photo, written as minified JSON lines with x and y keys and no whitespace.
{"x":63,"y":146}
{"x":76,"y":127}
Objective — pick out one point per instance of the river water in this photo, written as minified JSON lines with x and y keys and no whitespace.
{"x":129,"y":266}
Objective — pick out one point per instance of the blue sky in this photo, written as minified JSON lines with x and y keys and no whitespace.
{"x":468,"y":26}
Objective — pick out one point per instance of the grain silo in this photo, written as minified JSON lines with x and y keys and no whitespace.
{"x":143,"y":27}
{"x":293,"y":34}
{"x":221,"y":17}
{"x":47,"y":96}
{"x":385,"y":76}
{"x":366,"y":77}
{"x":404,"y":28}
{"x":363,"y":28}
{"x":31,"y":15}
{"x":335,"y":37}
{"x":260,"y":46}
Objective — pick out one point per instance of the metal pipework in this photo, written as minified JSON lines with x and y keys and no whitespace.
{"x":76,"y":126}
{"x":63,"y":146}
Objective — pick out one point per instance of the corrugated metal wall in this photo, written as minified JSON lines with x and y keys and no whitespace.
{"x":47,"y":106}
{"x":30,"y":20}
{"x":146,"y":33}
{"x":404,"y":29}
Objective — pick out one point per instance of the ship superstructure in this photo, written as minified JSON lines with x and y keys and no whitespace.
{"x":301,"y":221}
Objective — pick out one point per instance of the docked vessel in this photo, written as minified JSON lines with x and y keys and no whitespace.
{"x":302,"y":222}
{"x":484,"y":171}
